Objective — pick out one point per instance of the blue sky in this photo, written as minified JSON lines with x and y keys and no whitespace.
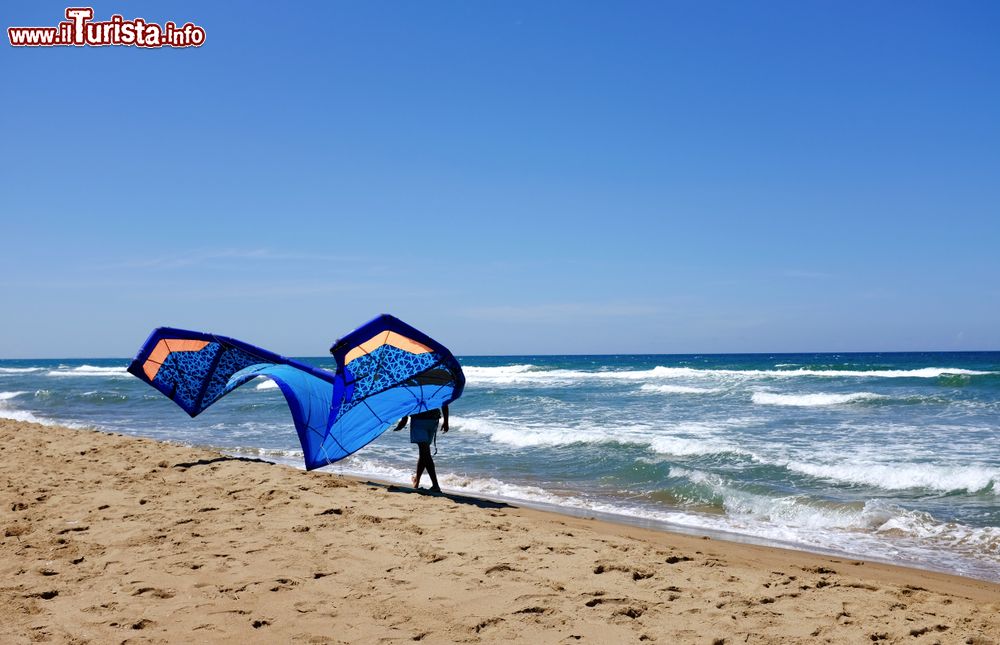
{"x":513,"y":178}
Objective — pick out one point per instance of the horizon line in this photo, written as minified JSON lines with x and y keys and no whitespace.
{"x":578,"y":355}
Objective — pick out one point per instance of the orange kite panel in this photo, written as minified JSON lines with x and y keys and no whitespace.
{"x":386,"y":338}
{"x":166,"y":347}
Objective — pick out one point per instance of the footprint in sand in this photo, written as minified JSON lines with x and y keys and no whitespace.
{"x":154,"y":592}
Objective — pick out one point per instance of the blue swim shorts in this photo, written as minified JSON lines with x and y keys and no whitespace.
{"x":423,"y":430}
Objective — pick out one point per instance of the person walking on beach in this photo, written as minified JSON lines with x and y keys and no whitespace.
{"x":423,"y":429}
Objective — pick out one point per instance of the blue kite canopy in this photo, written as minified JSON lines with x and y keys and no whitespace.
{"x":386,"y":370}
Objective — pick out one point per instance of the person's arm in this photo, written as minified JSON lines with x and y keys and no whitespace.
{"x":444,"y":413}
{"x":402,"y":422}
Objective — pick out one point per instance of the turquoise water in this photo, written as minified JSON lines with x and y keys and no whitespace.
{"x":880,"y":456}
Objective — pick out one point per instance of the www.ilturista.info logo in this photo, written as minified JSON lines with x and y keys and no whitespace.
{"x":79,"y":30}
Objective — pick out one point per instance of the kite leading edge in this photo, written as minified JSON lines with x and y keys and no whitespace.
{"x":386,"y":370}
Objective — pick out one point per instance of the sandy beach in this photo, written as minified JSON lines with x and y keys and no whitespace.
{"x":108,"y":538}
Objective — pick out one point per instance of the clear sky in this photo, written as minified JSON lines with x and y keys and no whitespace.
{"x":510,"y":177}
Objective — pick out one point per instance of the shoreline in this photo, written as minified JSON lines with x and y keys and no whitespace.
{"x":722,"y":462}
{"x":116,"y":536}
{"x":622,"y":519}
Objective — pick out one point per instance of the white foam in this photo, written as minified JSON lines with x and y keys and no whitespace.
{"x":681,"y":439}
{"x":926,"y":528}
{"x":896,"y":476}
{"x":528,"y":374}
{"x":679,"y":389}
{"x":813,"y":400}
{"x":498,"y":488}
{"x":688,"y":447}
{"x":509,"y":374}
{"x":19,"y":370}
{"x":360,"y":466}
{"x":522,"y":435}
{"x":355,"y":465}
{"x":925,"y":372}
{"x":90,"y":370}
{"x":6,"y":412}
{"x":24,"y":415}
{"x":291,"y":456}
{"x":501,"y":370}
{"x":5,"y":396}
{"x":267,"y":385}
{"x":795,"y":519}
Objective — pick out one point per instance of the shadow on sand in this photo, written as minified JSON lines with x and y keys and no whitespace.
{"x":458,"y":499}
{"x":223,"y":458}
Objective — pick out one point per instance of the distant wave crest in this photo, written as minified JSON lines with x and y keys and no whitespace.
{"x":682,"y":439}
{"x":90,"y":370}
{"x":679,"y":389}
{"x":971,"y":479}
{"x":529,"y":374}
{"x":814,"y":400}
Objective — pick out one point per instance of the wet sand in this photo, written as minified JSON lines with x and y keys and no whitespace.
{"x":108,"y":538}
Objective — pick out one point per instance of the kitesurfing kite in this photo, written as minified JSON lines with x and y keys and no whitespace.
{"x":386,"y":370}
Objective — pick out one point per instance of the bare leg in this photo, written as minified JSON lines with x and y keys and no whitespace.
{"x":420,"y":465}
{"x":425,"y":461}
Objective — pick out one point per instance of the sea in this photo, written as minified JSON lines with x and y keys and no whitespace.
{"x":889,"y":457}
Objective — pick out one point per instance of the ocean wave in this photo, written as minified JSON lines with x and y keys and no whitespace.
{"x":506,"y":374}
{"x":5,"y":396}
{"x":984,"y":539}
{"x":969,"y":479}
{"x":499,"y":370}
{"x":925,"y":372}
{"x":23,"y":415}
{"x":690,"y":447}
{"x":682,"y":439}
{"x":267,"y":384}
{"x":796,"y":513}
{"x":798,"y":517}
{"x":525,"y":435}
{"x":102,"y":396}
{"x":20,"y":370}
{"x":90,"y":370}
{"x":679,"y":389}
{"x":814,"y":400}
{"x":14,"y":414}
{"x":528,"y":374}
{"x":285,"y":455}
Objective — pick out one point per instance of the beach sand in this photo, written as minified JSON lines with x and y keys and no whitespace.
{"x":108,"y":538}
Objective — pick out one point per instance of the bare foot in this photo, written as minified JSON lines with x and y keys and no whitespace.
{"x":414,"y":480}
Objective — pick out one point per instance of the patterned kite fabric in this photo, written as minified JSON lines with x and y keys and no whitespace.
{"x":386,"y":369}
